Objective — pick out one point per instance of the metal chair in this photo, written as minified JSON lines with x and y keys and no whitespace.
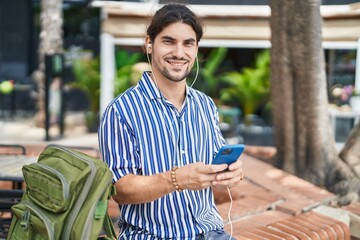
{"x":8,"y":198}
{"x":13,"y":149}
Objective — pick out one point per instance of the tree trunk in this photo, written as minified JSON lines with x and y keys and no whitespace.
{"x":304,"y":138}
{"x":51,"y":42}
{"x":351,"y":151}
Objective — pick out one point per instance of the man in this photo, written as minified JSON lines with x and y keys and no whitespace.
{"x":159,"y":138}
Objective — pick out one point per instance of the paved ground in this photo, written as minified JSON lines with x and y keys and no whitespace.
{"x":20,"y":130}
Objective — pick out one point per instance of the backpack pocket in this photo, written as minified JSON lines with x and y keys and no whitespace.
{"x":47,"y":187}
{"x":30,"y":222}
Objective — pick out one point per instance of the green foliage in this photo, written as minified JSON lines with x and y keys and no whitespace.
{"x":124,"y":64}
{"x":87,"y":74}
{"x":250,"y":87}
{"x":208,"y":73}
{"x":356,"y":93}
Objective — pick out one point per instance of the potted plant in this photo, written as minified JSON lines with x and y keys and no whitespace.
{"x":355,"y":100}
{"x":340,"y":95}
{"x":87,"y":75}
{"x":209,"y":81}
{"x":250,"y":87}
{"x":345,"y":96}
{"x":125,"y":62}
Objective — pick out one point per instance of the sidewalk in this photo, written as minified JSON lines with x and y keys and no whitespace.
{"x":268,"y":204}
{"x":23,"y":131}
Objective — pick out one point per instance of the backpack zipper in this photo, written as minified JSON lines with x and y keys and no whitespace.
{"x":39,"y":212}
{"x":83,"y":195}
{"x":61,"y":177}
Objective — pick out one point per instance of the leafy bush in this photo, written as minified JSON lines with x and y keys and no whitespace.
{"x":87,"y":74}
{"x":249,"y":88}
{"x":87,"y":78}
{"x":124,"y":67}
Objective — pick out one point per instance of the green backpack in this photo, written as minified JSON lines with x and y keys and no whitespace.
{"x":66,"y":197}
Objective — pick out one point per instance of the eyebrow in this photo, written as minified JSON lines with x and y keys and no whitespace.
{"x":173,"y":39}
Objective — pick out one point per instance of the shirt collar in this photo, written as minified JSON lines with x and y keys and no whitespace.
{"x":149,"y":87}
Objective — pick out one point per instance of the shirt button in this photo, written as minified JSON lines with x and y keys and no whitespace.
{"x":183,"y":151}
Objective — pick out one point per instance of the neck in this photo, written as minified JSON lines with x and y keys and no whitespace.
{"x":176,"y":95}
{"x":173,"y":91}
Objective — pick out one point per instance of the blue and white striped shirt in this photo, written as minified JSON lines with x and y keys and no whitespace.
{"x":144,"y":134}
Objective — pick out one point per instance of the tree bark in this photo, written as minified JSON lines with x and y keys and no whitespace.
{"x":351,"y":151}
{"x":51,"y":42}
{"x":304,"y":139}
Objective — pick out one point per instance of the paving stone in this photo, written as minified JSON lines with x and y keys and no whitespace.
{"x":336,"y":213}
{"x":277,"y":232}
{"x":266,"y":234}
{"x":353,"y":207}
{"x":301,"y":228}
{"x":353,"y":210}
{"x":268,"y":217}
{"x":291,"y":230}
{"x":329,"y":231}
{"x":341,"y":229}
{"x":314,"y":228}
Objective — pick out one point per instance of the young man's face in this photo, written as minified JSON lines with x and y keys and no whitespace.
{"x":174,"y":52}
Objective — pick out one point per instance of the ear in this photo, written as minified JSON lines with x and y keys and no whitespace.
{"x":148,"y":45}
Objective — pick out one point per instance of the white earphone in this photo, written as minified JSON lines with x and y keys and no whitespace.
{"x":148,"y":47}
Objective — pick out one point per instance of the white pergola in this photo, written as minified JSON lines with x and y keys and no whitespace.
{"x":232,"y":26}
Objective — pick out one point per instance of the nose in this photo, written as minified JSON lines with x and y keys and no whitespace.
{"x":179,"y":51}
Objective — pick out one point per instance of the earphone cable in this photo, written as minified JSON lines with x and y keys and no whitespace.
{"x":197,"y":71}
{"x":152,"y":72}
{"x":229,"y":213}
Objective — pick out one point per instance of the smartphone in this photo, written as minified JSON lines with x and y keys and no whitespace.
{"x":228,"y":154}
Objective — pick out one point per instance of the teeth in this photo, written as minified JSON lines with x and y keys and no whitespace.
{"x":176,"y":63}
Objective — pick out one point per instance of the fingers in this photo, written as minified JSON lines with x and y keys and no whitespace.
{"x":235,"y":165}
{"x":215,"y":168}
{"x":198,"y":176}
{"x":230,"y":178}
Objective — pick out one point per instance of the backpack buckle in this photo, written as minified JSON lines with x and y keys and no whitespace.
{"x":25,"y":220}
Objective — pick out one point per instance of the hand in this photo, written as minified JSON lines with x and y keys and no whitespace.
{"x":197,"y":176}
{"x":232,"y":177}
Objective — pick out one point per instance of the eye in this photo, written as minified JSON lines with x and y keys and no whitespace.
{"x":189,"y":43}
{"x":168,"y":41}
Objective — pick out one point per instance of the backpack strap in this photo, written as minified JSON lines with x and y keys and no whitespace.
{"x":108,"y":228}
{"x":108,"y":224}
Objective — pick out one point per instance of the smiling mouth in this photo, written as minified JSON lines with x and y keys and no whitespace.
{"x":177,"y":63}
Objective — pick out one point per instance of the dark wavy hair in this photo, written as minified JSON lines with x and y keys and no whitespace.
{"x":172,"y":13}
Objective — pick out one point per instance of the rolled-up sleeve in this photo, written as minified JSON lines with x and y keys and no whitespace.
{"x":117,"y":144}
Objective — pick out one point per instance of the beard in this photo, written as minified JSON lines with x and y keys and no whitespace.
{"x":171,"y":75}
{"x":174,"y":77}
